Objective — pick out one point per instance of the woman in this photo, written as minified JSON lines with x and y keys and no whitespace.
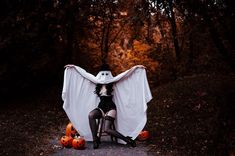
{"x":128,"y":93}
{"x":106,"y":109}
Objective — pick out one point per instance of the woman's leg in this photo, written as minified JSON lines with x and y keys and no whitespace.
{"x":93,"y":115}
{"x":108,"y":122}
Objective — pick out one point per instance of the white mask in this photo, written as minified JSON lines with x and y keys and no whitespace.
{"x":104,"y":76}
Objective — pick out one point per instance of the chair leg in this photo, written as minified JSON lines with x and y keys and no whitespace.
{"x":112,"y":137}
{"x":114,"y":128}
{"x":100,"y":126}
{"x":100,"y":129}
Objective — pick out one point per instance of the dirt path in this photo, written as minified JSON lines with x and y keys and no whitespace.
{"x":192,"y":116}
{"x":107,"y":148}
{"x":33,"y":125}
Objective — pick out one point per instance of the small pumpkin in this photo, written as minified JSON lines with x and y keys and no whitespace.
{"x":78,"y":143}
{"x":144,"y":135}
{"x":66,"y":141}
{"x":70,"y":130}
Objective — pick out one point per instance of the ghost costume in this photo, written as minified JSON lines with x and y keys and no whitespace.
{"x":130,"y":94}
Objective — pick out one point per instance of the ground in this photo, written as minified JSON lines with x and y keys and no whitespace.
{"x":190,"y":116}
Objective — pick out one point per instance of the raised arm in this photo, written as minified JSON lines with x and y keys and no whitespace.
{"x":82,"y":72}
{"x":127,"y":72}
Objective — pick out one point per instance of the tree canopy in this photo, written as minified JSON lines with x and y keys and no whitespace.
{"x":170,"y":37}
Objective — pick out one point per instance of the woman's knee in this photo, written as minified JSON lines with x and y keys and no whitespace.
{"x":91,"y":115}
{"x":94,"y":114}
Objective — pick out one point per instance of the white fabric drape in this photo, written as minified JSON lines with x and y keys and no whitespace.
{"x":131,"y":94}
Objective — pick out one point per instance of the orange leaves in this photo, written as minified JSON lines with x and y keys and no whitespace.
{"x":141,"y":47}
{"x":122,"y":59}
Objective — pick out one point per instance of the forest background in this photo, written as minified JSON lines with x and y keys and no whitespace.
{"x":171,"y":38}
{"x":174,"y":39}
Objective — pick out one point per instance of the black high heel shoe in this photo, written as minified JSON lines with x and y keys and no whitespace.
{"x":130,"y":141}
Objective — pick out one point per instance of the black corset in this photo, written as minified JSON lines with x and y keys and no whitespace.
{"x":106,"y":103}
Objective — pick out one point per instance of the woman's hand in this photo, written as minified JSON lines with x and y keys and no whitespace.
{"x":69,"y":65}
{"x":140,"y":66}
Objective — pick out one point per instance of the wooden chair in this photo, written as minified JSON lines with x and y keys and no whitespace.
{"x":101,"y":131}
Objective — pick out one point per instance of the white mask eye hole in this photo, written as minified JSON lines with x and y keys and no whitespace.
{"x":107,"y":74}
{"x":102,"y":73}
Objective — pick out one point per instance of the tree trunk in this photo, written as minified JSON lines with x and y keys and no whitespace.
{"x":174,"y":30}
{"x":191,"y":54}
{"x":218,"y":42}
{"x":171,"y":18}
{"x":106,"y":43}
{"x":69,"y":46}
{"x":149,"y":30}
{"x":70,"y":20}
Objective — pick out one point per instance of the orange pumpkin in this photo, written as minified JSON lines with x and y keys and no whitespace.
{"x":144,"y":135}
{"x":66,"y":141}
{"x":78,"y":143}
{"x":70,"y":130}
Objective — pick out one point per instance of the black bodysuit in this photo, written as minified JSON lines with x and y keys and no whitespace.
{"x":104,"y":91}
{"x":106,"y":103}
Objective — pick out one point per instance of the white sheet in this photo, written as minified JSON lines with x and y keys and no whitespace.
{"x":131,"y":94}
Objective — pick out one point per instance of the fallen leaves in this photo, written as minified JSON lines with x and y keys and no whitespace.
{"x":186,"y":115}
